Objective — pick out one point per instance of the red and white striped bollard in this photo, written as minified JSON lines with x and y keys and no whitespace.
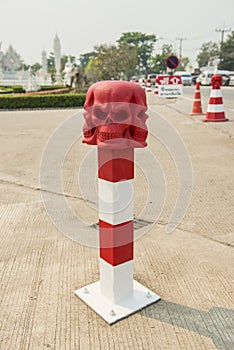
{"x":115,"y":122}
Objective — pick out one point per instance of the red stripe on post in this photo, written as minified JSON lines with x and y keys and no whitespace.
{"x":115,"y":165}
{"x":116,"y":242}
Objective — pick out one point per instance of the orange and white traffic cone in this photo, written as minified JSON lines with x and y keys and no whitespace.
{"x":197,"y":106}
{"x":156,"y":89}
{"x":215,"y":111}
{"x":148,"y":86}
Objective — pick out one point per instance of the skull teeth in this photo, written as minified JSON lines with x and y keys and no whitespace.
{"x":104,"y":136}
{"x":88,"y":133}
{"x":140,"y":135}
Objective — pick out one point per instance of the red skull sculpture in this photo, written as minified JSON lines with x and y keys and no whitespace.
{"x":216,"y":81}
{"x":115,"y":115}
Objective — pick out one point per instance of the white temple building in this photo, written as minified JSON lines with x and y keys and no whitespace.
{"x":13,"y":73}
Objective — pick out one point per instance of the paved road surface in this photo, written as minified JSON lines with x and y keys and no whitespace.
{"x":191,"y":268}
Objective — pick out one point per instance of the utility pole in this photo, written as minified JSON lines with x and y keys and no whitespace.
{"x":222,"y":31}
{"x":181,"y":39}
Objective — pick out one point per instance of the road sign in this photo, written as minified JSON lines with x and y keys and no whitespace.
{"x":172,"y":62}
{"x":169,"y":85}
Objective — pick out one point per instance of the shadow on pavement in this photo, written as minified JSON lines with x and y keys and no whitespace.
{"x":217,"y":323}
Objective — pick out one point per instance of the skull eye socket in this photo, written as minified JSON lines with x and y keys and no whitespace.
{"x":121,"y":115}
{"x":100,"y":114}
{"x":141,"y":115}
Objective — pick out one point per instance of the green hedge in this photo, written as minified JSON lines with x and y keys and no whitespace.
{"x":4,"y":90}
{"x":51,"y":87}
{"x":42,"y":101}
{"x":17,"y":89}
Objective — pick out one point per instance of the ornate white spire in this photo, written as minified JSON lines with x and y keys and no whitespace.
{"x":57,"y":53}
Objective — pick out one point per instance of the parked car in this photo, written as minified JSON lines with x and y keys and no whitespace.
{"x":231,"y":81}
{"x":186,"y":77}
{"x":205,"y":77}
{"x":194,"y":79}
{"x":228,"y":80}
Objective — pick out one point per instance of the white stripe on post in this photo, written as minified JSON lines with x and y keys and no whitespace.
{"x":116,"y":281}
{"x":115,"y":201}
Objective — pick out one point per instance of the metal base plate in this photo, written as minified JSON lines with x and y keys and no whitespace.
{"x":111,"y":312}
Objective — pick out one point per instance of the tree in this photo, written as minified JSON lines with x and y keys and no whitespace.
{"x":158,"y":62}
{"x":227,"y":61}
{"x":35,"y":67}
{"x":51,"y":63}
{"x":144,"y":44}
{"x":51,"y":66}
{"x":85,"y":58}
{"x":127,"y":57}
{"x":91,"y":70}
{"x":25,"y":66}
{"x":207,"y":51}
{"x":111,"y":61}
{"x":103,"y":65}
{"x":184,"y":61}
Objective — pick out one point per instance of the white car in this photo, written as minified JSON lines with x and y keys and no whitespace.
{"x":231,"y":81}
{"x":186,"y":77}
{"x":205,"y":77}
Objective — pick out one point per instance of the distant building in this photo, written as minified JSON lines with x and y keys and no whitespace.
{"x":11,"y":60}
{"x":10,"y":67}
{"x":57,"y":58}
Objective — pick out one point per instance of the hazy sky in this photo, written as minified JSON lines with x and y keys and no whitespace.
{"x":30,"y":25}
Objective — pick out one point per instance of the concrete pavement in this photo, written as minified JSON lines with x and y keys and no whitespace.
{"x":191,"y":268}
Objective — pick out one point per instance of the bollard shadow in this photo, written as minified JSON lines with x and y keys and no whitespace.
{"x":217,"y":323}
